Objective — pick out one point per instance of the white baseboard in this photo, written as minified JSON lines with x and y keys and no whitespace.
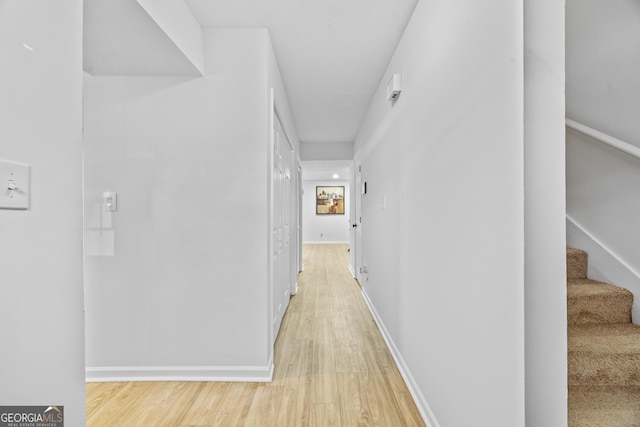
{"x":180,"y":373}
{"x":326,"y":242}
{"x":427,"y":415}
{"x":605,"y":264}
{"x":353,"y":273}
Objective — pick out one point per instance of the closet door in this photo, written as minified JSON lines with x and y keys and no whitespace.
{"x":281,"y":215}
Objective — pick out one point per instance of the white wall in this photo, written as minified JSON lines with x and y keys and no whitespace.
{"x":42,"y":333}
{"x":545,"y":247}
{"x":324,"y":228}
{"x":445,"y":259}
{"x":603,"y":185}
{"x":603,"y":64}
{"x":188,"y":158}
{"x":326,"y":150}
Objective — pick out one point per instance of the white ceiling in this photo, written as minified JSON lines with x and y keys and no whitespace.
{"x":332,"y":53}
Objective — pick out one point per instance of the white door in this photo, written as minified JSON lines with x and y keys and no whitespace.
{"x":296,"y":245}
{"x":300,"y":213}
{"x":358,"y":193}
{"x":281,"y":219}
{"x":287,"y":202}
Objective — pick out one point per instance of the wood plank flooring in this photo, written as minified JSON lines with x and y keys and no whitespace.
{"x":332,"y":368}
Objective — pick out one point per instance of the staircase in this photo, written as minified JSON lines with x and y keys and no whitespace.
{"x":604,"y":351}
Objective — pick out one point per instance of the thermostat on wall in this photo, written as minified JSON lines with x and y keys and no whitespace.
{"x":394,"y":87}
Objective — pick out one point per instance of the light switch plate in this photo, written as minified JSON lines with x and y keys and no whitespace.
{"x":14,"y":185}
{"x":110,"y":201}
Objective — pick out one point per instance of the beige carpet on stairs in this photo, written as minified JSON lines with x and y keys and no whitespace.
{"x":589,"y":301}
{"x":604,"y":406}
{"x":603,"y":351}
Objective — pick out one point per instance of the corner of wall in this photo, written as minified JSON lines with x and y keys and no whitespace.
{"x":41,"y":308}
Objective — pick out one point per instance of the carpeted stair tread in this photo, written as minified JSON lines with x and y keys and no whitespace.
{"x":604,"y":406}
{"x":604,"y":354}
{"x":589,"y":301}
{"x":576,"y":264}
{"x":603,"y":351}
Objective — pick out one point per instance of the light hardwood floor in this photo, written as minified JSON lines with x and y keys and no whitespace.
{"x":332,"y":368}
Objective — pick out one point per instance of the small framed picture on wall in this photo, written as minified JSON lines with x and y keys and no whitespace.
{"x":330,"y":200}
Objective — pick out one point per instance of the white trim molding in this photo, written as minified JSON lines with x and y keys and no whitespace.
{"x":604,"y":247}
{"x":325,"y":242}
{"x":427,"y":415}
{"x":180,"y":373}
{"x":351,"y":270}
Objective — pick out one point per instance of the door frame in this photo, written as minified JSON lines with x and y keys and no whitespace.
{"x":356,"y":222}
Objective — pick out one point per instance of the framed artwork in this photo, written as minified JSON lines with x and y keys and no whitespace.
{"x":330,"y":200}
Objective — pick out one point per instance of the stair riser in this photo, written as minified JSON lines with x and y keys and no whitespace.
{"x":604,"y":370}
{"x":577,"y":265}
{"x":615,"y":309}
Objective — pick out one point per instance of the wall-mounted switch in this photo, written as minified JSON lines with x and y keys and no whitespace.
{"x":14,"y":185}
{"x":110,"y":201}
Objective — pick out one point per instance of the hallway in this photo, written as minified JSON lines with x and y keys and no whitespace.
{"x":332,"y":368}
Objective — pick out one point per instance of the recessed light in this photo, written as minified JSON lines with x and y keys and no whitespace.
{"x":336,"y":176}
